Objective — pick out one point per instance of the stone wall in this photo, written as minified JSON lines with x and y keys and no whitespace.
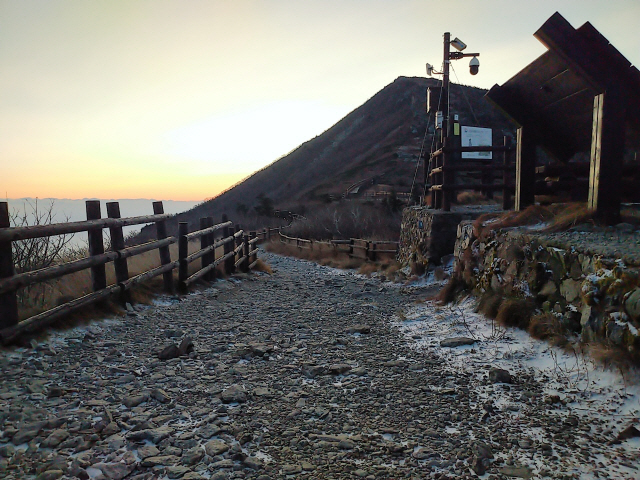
{"x":595,"y":296}
{"x":427,"y":235}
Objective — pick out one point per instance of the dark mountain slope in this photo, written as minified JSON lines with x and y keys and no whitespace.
{"x":381,"y":138}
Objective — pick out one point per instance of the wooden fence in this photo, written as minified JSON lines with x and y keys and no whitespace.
{"x":239,"y":249}
{"x":445,"y":162}
{"x":354,"y":247}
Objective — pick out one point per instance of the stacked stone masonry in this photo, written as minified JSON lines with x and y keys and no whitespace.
{"x":596,"y":296}
{"x":427,"y":235}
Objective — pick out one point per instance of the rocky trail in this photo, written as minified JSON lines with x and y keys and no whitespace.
{"x":300,"y":374}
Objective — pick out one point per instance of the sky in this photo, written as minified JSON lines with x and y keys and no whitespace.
{"x":175,"y":99}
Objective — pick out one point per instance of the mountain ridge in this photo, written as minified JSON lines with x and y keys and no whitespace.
{"x":380,"y":139}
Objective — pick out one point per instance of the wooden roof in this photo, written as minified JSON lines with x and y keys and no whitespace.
{"x":554,"y":94}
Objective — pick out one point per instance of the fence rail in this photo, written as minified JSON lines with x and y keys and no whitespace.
{"x":354,"y":247}
{"x":238,"y":247}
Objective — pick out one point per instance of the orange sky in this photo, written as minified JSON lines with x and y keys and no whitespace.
{"x":172,"y":99}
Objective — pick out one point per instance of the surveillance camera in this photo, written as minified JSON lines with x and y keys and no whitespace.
{"x":474,"y":66}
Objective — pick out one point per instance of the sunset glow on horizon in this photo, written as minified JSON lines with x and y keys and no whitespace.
{"x":175,"y":100}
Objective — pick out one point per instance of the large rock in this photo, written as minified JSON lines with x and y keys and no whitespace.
{"x":215,"y":447}
{"x":499,"y":375}
{"x":234,"y":393}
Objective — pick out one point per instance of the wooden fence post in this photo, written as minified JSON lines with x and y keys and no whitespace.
{"x":267,"y":234}
{"x":211,"y":275}
{"x":237,"y":243}
{"x":254,"y":257}
{"x":117,"y":243}
{"x":204,"y":243}
{"x":165,"y":254}
{"x":96,"y":245}
{"x":245,"y":253}
{"x":228,"y":247}
{"x":183,"y":253}
{"x":8,"y":300}
{"x":373,"y":251}
{"x":506,"y":176}
{"x":351,"y":241}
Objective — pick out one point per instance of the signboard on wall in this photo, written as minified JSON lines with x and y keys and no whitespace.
{"x":476,"y":137}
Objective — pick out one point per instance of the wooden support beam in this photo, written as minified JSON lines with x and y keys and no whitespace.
{"x":211,"y":275}
{"x":96,"y":246}
{"x":506,"y":175}
{"x":165,"y":254}
{"x":228,"y":231}
{"x":525,"y":169}
{"x":117,"y":243}
{"x":607,"y":150}
{"x":204,"y":243}
{"x":183,"y":253}
{"x":8,"y":300}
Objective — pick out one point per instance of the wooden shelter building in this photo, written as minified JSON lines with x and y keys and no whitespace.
{"x":582,"y":95}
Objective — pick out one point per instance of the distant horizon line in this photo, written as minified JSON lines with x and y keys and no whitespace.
{"x":102,"y":199}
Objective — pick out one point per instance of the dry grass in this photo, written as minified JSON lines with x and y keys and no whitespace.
{"x":329,"y":256}
{"x":262,"y":266}
{"x":470,"y":197}
{"x":489,"y":304}
{"x":556,"y":217}
{"x":613,"y":357}
{"x":515,"y":312}
{"x":546,"y":326}
{"x":76,"y":285}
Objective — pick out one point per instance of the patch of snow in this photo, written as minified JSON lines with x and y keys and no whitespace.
{"x":601,"y":397}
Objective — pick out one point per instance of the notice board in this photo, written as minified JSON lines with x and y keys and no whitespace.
{"x":476,"y":137}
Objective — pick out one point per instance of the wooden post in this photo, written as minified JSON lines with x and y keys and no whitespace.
{"x":245,"y":253}
{"x":351,"y":242}
{"x":373,"y":251}
{"x":237,"y":244}
{"x":525,"y":170}
{"x":607,"y":150}
{"x":228,"y":247}
{"x":8,"y":300}
{"x":183,"y":253}
{"x":204,"y":243}
{"x":506,"y":176}
{"x":117,"y":243}
{"x":165,"y":254}
{"x":211,"y":275}
{"x":254,"y":257}
{"x":96,"y":245}
{"x":267,"y":234}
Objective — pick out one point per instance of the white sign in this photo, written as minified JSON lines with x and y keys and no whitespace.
{"x":476,"y":137}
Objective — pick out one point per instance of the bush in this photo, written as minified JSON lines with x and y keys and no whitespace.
{"x":347,"y":219}
{"x":36,"y":253}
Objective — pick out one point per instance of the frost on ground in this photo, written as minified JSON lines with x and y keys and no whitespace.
{"x":608,"y":402}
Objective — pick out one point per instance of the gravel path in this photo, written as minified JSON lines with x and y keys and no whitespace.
{"x":299,"y":374}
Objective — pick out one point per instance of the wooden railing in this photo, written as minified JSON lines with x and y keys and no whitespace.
{"x":445,"y":162}
{"x":354,"y":247}
{"x":239,"y":252}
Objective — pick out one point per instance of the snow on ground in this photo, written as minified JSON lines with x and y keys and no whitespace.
{"x":605,"y":398}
